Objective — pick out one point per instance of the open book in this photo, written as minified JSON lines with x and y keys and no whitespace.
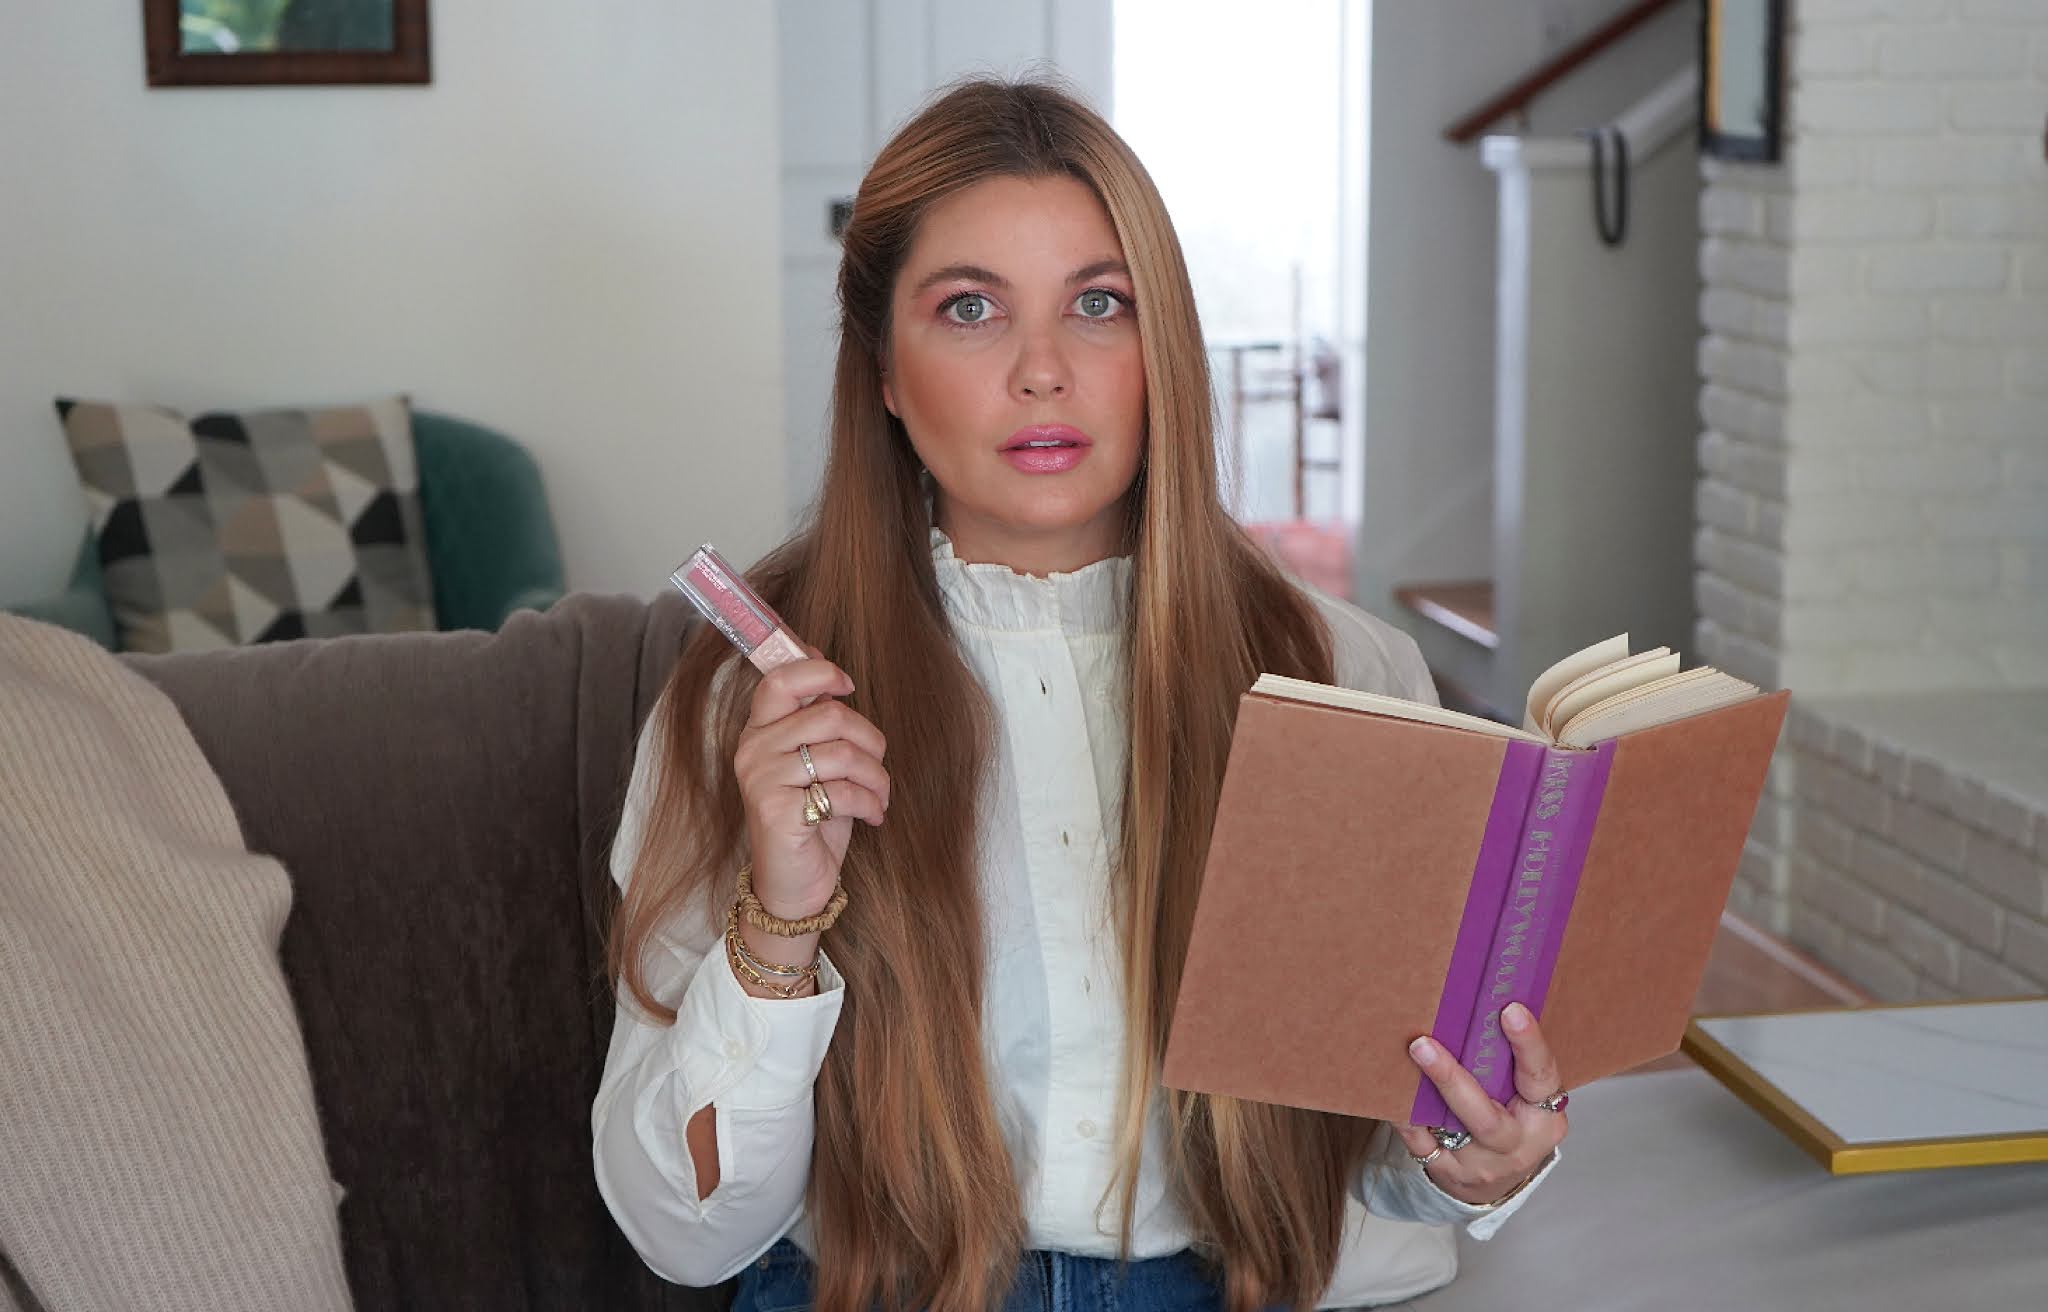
{"x":1382,"y":869}
{"x":1601,"y":692}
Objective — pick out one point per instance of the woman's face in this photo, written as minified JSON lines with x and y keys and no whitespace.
{"x":1014,"y":365}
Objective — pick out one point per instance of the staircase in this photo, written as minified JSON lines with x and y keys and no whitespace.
{"x":1594,"y":403}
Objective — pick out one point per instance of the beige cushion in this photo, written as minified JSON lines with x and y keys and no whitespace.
{"x":158,"y":1142}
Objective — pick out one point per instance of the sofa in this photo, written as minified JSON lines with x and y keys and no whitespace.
{"x":491,"y":545}
{"x":443,"y":805}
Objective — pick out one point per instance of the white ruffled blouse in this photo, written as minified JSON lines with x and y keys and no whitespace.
{"x":1050,"y":652}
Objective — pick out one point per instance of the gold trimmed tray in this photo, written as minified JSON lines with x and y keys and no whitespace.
{"x":1822,"y":1143}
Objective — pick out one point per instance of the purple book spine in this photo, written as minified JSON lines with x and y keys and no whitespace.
{"x":1541,"y":884}
{"x":1488,"y":891}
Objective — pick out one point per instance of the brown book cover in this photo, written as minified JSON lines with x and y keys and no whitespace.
{"x":1344,"y":848}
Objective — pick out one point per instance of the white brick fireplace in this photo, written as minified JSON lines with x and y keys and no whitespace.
{"x":1874,"y":502}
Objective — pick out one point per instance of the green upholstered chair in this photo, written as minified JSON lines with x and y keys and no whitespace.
{"x":491,"y":544}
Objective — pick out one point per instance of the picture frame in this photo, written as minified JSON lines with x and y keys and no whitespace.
{"x":195,"y":43}
{"x":1742,"y":79}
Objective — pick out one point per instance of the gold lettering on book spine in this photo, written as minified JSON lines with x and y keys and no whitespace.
{"x":1531,"y":865}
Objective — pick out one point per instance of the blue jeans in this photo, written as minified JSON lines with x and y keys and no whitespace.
{"x":780,"y":1281}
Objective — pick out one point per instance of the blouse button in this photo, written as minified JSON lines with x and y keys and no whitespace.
{"x":1086,"y":1129}
{"x":735,"y":1049}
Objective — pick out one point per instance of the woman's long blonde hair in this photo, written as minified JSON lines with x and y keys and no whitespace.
{"x":912,"y":1198}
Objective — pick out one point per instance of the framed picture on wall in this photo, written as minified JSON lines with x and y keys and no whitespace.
{"x":284,"y":42}
{"x":1742,"y":77}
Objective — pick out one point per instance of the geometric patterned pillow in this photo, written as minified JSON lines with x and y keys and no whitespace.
{"x":253,"y":526}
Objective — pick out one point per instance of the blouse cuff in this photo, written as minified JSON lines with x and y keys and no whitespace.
{"x":1483,"y":1219}
{"x":748,"y":1053}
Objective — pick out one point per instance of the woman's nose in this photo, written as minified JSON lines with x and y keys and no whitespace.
{"x":1040,"y":373}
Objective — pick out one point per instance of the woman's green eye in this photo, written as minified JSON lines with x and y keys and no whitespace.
{"x":1097,"y":304}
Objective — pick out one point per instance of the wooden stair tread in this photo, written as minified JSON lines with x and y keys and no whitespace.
{"x":1465,"y":608}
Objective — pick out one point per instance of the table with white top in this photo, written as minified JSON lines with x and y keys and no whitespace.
{"x":1892,"y":1088}
{"x":1675,"y":1193}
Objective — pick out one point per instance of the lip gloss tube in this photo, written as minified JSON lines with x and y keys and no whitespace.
{"x":736,"y":610}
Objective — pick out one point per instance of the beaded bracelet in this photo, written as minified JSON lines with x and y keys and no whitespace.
{"x":760,"y":918}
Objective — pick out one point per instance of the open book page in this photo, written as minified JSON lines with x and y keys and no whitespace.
{"x":1322,"y":694}
{"x":1668,"y":699}
{"x":1608,"y":681}
{"x":1616,"y":696}
{"x":1573,"y":667}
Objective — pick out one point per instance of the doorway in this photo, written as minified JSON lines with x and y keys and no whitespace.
{"x":1237,"y":112}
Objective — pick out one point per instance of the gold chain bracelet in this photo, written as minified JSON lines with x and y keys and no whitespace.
{"x":751,"y":968}
{"x":760,"y":917}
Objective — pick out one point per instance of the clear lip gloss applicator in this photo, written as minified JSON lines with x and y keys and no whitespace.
{"x":736,"y":610}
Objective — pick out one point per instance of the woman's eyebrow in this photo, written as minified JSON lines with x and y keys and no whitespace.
{"x":1097,"y":269}
{"x":961,"y":273}
{"x":975,"y":273}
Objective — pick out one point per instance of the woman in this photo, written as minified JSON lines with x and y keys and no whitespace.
{"x":1040,"y":617}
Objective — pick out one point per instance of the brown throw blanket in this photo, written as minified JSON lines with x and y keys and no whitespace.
{"x":158,"y":1142}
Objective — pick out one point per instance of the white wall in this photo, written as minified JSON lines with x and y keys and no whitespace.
{"x":1428,"y":441}
{"x":852,"y":72}
{"x":570,"y":236}
{"x":1597,"y":413}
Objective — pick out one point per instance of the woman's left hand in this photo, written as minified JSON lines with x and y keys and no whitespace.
{"x":1509,"y":1144}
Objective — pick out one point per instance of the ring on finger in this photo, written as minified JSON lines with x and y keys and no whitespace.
{"x":1555,"y":1102}
{"x":818,"y":800}
{"x":1434,"y":1153}
{"x":1450,"y":1140}
{"x":810,"y":768}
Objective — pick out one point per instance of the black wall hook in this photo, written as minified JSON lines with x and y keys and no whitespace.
{"x":1610,"y":220}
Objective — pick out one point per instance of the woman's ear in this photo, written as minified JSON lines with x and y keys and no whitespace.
{"x":889,"y":394}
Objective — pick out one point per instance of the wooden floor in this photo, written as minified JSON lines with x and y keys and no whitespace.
{"x":1317,"y":553}
{"x":1751,"y":970}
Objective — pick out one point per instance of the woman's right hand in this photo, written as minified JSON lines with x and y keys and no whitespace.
{"x":796,"y":865}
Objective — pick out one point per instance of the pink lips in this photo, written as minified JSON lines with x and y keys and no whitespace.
{"x":1047,"y":448}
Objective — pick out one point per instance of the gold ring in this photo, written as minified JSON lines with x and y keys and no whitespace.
{"x":819,"y":801}
{"x":1434,"y":1153}
{"x":804,"y":750}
